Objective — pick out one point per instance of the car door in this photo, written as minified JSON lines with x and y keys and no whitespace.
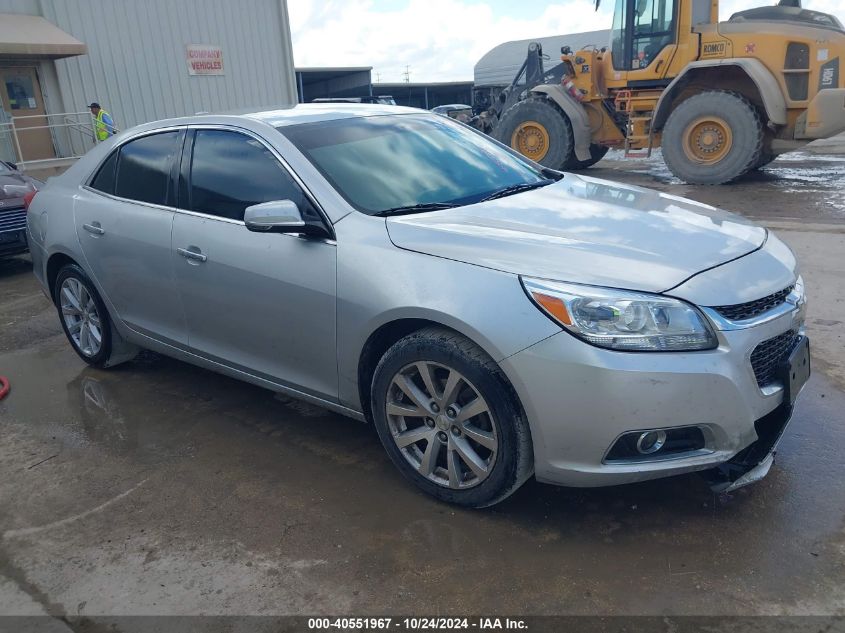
{"x":259,"y":302}
{"x":124,"y":219}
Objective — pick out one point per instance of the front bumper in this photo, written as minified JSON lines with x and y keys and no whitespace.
{"x":13,"y":242}
{"x":824,"y":117}
{"x":580,"y":399}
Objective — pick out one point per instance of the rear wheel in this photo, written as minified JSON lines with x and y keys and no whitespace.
{"x":449,"y":420}
{"x":712,"y":138}
{"x":539,"y":130}
{"x":86,"y":321}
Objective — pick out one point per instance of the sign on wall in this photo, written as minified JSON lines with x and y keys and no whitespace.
{"x":204,"y":60}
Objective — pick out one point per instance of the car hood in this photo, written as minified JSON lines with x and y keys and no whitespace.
{"x":585,"y":230}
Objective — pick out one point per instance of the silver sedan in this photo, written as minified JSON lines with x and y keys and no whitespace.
{"x":494,"y":319}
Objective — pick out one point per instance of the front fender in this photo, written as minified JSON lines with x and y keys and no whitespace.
{"x":576,"y":113}
{"x":767,"y":86}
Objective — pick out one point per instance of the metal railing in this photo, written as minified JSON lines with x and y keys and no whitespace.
{"x":42,"y":140}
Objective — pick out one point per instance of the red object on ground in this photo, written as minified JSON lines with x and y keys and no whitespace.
{"x":4,"y":387}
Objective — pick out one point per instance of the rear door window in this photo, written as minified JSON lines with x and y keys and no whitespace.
{"x":144,"y":168}
{"x":104,"y":180}
{"x":231,"y":171}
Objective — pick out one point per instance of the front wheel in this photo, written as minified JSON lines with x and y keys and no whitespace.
{"x":712,"y":138}
{"x":449,"y":420}
{"x":539,"y":130}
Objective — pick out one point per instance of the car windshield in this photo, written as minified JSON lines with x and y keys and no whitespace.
{"x":411,"y":163}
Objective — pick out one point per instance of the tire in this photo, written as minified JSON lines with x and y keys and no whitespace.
{"x":503,"y":462}
{"x":542,"y":122}
{"x":712,"y":138}
{"x":72,"y":277}
{"x":766,"y":153}
{"x":597,"y":152}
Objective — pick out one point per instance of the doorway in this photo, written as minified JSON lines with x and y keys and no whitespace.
{"x":23,"y":104}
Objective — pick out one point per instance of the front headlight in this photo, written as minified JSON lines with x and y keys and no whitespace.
{"x":621,"y":319}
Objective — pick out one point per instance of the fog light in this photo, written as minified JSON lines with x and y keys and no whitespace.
{"x":646,"y":446}
{"x":651,"y":442}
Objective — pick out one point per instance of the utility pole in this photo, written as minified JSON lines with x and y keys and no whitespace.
{"x":407,"y":74}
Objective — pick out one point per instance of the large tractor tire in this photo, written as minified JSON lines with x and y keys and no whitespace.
{"x":539,"y":130}
{"x":597,"y":152}
{"x":712,"y":138}
{"x":766,"y":154}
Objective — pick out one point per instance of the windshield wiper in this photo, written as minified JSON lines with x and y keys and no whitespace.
{"x":512,"y":189}
{"x":416,"y":208}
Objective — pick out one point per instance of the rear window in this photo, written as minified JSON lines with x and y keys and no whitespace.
{"x":104,"y":180}
{"x":144,"y":168}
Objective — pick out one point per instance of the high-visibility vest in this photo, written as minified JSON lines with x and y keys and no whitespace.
{"x":103,"y":131}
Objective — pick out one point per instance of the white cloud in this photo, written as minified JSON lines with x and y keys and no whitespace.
{"x":440,"y":40}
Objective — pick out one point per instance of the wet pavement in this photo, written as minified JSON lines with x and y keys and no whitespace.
{"x":162,"y":488}
{"x":798,"y":186}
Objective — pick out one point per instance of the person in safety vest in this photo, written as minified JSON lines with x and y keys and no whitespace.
{"x":103,"y":123}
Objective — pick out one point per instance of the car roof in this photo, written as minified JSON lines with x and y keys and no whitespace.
{"x":310,"y":112}
{"x":287,"y":115}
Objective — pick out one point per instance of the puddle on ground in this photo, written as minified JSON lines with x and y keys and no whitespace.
{"x":795,"y":185}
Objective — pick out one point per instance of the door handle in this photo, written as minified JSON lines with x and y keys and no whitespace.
{"x":192,"y":254}
{"x":94,"y":228}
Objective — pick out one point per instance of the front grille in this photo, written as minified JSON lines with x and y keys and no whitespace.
{"x":750,"y":309}
{"x":13,"y":220}
{"x":768,"y":356}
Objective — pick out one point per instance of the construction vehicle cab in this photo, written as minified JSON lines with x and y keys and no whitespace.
{"x":644,"y":36}
{"x":719,"y":98}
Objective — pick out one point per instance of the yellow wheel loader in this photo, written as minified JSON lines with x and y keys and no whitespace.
{"x":720,"y":98}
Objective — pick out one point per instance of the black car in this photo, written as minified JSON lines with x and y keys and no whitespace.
{"x":14,"y":187}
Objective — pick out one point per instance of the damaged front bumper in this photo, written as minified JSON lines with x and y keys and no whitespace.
{"x":753,"y":463}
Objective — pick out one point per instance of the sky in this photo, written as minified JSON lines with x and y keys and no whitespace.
{"x":441,"y":40}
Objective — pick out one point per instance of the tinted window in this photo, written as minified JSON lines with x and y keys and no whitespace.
{"x":143,"y":171}
{"x":104,"y":180}
{"x":383,"y":162}
{"x":231,"y":171}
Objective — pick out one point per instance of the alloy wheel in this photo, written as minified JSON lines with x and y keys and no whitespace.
{"x":442,"y":425}
{"x":79,"y":311}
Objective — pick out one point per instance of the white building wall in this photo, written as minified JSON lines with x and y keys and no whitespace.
{"x":27,"y":7}
{"x":136,"y":66}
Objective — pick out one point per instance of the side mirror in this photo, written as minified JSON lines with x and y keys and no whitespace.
{"x":278,"y":216}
